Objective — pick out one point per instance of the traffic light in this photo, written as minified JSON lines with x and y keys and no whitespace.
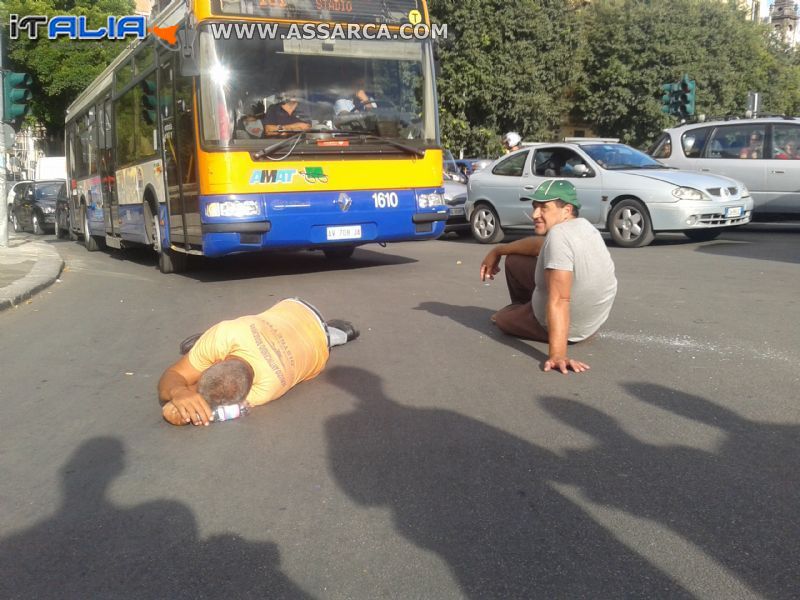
{"x":688,"y":89}
{"x":149,"y":101}
{"x":669,"y":98}
{"x":666,"y":98}
{"x":16,"y":97}
{"x":678,"y":99}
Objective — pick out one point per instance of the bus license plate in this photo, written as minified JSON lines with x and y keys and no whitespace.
{"x":348,"y":232}
{"x":733,"y":211}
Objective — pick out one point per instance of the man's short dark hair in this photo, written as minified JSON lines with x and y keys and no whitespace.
{"x":226,"y":382}
{"x":562,"y":204}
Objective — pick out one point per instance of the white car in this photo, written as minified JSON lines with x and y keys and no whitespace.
{"x":621,"y":190}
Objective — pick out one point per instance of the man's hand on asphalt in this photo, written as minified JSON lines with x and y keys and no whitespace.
{"x":191,"y":407}
{"x":564,"y":364}
{"x":490,"y":265}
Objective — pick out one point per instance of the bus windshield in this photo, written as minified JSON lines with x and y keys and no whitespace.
{"x":352,"y":95}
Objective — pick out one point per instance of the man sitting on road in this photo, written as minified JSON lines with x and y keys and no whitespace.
{"x":252,"y":359}
{"x":561,"y":281}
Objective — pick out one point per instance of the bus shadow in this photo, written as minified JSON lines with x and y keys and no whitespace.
{"x":267,"y":264}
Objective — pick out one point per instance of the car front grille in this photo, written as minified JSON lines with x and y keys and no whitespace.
{"x":732,"y":191}
{"x":721,"y":219}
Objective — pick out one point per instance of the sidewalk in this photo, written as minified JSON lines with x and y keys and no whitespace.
{"x":27,"y":266}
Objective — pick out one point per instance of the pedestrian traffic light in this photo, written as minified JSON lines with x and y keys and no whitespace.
{"x":149,"y":102}
{"x":688,"y":89}
{"x":16,"y":97}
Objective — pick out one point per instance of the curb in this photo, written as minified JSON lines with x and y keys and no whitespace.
{"x":45,"y":271}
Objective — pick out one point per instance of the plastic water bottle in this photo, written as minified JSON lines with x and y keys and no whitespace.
{"x":226,"y":412}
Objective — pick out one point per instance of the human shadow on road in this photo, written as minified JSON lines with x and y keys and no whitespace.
{"x":477,"y":318}
{"x":480,"y":499}
{"x":739,"y":503}
{"x":93,"y":549}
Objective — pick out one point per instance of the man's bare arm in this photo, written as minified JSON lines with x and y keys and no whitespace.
{"x":528,"y":246}
{"x":178,"y":393}
{"x":559,"y":289}
{"x":297,"y":126}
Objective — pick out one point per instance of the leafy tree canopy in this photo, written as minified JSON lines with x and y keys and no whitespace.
{"x":62,"y":68}
{"x":504,"y":66}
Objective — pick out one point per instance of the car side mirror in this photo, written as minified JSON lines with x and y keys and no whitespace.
{"x":581,"y":171}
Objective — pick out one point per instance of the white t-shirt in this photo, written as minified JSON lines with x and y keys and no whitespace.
{"x":577,"y":246}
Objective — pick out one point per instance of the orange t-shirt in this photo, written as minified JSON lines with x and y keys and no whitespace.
{"x":284,"y":345}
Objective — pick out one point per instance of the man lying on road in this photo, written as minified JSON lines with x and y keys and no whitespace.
{"x":250,"y":360}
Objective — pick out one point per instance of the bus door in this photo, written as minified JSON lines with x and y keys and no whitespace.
{"x":166,"y":100}
{"x":180,"y":155}
{"x":106,"y":168}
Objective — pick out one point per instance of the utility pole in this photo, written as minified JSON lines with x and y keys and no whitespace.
{"x":4,"y":158}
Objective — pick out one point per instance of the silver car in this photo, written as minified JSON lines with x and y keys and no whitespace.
{"x":762,"y":153}
{"x":621,"y":190}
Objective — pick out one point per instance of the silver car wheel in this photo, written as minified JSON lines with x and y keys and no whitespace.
{"x":485,"y":225}
{"x":629,"y":224}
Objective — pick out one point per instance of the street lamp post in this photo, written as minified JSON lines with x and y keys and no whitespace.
{"x":3,"y":204}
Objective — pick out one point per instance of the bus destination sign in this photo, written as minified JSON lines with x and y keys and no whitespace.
{"x":390,"y":12}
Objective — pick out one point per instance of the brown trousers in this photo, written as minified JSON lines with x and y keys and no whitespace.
{"x":517,"y":318}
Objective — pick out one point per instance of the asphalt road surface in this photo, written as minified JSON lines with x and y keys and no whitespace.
{"x":432,"y":458}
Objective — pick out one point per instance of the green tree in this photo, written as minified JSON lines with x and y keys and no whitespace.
{"x":633,"y":46}
{"x":504,"y":66}
{"x":62,"y":68}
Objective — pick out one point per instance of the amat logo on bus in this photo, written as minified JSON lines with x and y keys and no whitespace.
{"x":273,"y":176}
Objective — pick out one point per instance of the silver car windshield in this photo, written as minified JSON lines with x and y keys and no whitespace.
{"x":620,"y":156}
{"x":379,"y":88}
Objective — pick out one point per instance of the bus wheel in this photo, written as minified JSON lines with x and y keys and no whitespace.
{"x":170,"y":261}
{"x":88,"y":239}
{"x":339,"y":253}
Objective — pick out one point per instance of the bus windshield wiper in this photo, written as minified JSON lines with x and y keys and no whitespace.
{"x":391,"y":142}
{"x":283,"y":141}
{"x":266,"y":151}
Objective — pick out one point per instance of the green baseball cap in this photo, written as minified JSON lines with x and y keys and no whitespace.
{"x":555,"y":189}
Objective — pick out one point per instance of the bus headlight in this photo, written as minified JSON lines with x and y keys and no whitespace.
{"x":431,"y":200}
{"x":233,"y":208}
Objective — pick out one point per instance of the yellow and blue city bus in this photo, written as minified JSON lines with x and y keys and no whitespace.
{"x":183,"y":147}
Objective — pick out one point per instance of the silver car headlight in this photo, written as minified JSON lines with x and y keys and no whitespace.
{"x":430,"y":200}
{"x":687,"y":193}
{"x":744,"y":192}
{"x":233,"y":208}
